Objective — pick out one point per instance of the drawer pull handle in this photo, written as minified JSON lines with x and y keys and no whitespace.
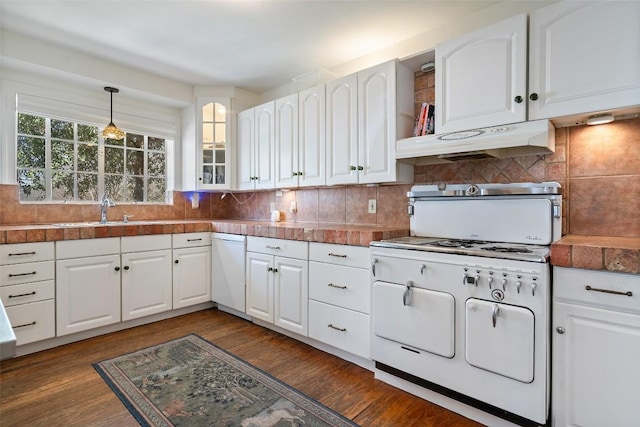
{"x":337,"y":255}
{"x":22,"y":295}
{"x":607,"y":291}
{"x":25,"y":325}
{"x":373,"y":266}
{"x":273,"y":247}
{"x":23,"y":253}
{"x":194,"y":240}
{"x":331,"y":285}
{"x":23,"y":274}
{"x":336,"y":328}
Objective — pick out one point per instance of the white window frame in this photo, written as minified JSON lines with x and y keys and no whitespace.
{"x":136,"y":119}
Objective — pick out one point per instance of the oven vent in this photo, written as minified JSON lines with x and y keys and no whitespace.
{"x":471,"y":155}
{"x":510,"y":140}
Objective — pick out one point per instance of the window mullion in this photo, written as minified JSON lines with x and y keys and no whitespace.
{"x":48,"y":172}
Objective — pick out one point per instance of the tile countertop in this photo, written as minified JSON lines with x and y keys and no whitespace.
{"x":359,"y":235}
{"x":617,"y":254}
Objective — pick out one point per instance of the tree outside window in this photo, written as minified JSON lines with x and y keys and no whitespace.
{"x":61,"y":160}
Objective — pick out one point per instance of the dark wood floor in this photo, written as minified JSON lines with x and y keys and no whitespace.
{"x":59,"y":387}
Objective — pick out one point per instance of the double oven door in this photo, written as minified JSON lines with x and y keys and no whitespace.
{"x":429,"y":322}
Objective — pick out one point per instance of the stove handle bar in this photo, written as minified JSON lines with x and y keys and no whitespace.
{"x":609,"y":291}
{"x":408,"y":293}
{"x":373,"y":266}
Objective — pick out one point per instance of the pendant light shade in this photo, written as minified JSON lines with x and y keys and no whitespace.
{"x":112,"y":131}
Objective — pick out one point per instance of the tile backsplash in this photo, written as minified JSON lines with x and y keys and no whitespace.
{"x":598,"y":167}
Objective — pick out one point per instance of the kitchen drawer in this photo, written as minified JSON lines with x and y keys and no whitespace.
{"x":571,"y":284}
{"x":26,"y":252}
{"x":347,"y":287}
{"x":187,"y":240}
{"x":32,"y":322}
{"x":27,"y":293}
{"x":354,"y":256}
{"x":341,"y":328}
{"x":145,"y":243}
{"x":67,"y":249}
{"x":28,"y":272}
{"x":279,"y":247}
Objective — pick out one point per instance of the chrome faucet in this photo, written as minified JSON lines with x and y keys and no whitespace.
{"x":106,"y":202}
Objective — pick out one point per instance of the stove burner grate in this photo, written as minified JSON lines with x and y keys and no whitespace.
{"x":507,"y":250}
{"x":456,"y":243}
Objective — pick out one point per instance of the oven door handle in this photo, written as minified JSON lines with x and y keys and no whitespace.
{"x":495,"y":313}
{"x":373,"y":266}
{"x":408,"y":293}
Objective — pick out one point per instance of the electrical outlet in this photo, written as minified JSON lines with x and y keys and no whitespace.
{"x":272,"y":207}
{"x":372,"y":205}
{"x":294,"y":207}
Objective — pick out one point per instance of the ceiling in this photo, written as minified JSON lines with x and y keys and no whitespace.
{"x":251,"y":44}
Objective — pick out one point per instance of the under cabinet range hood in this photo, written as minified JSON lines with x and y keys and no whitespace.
{"x":516,"y":139}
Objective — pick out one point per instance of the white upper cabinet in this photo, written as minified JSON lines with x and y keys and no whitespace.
{"x":584,"y":57}
{"x":214,"y":143}
{"x":366,"y":113}
{"x":311,"y":137}
{"x":256,"y":144}
{"x":481,"y":77}
{"x":342,"y":130}
{"x":286,"y":141}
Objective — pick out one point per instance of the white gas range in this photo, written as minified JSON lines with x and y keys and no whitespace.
{"x":463,"y":305}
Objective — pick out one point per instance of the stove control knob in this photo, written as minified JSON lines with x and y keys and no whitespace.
{"x":533,"y":288}
{"x":504,"y":283}
{"x":519,"y":283}
{"x":477,"y":278}
{"x":465,"y":276}
{"x":490,"y":280}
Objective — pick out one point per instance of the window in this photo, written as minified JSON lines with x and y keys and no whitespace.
{"x":61,"y":160}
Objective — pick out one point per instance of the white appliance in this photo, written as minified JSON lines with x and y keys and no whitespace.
{"x":228,"y":266}
{"x":462,"y":306}
{"x":515,"y":139}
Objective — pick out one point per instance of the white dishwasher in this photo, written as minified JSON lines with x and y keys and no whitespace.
{"x":228,"y":265}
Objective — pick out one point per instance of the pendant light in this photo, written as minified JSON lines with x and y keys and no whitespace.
{"x":112,"y":131}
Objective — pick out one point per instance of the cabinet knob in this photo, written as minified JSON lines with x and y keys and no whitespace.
{"x":360,"y":168}
{"x":117,"y":269}
{"x":533,"y":96}
{"x":126,"y":267}
{"x":518,"y":99}
{"x":560,"y":330}
{"x":176,"y":261}
{"x":352,"y":168}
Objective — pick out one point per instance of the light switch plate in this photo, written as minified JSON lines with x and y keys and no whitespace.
{"x":373,"y":206}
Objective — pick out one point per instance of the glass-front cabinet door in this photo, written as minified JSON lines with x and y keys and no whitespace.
{"x":214,"y":139}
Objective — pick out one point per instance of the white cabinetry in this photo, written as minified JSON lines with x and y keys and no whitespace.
{"x":87,"y":284}
{"x":584,"y":57}
{"x":277,"y":282}
{"x":191,"y":269}
{"x":256,"y":144}
{"x":214,"y":136}
{"x":596,"y":342}
{"x":27,"y":289}
{"x":311,"y":140}
{"x":339,"y":296}
{"x":366,"y":113}
{"x":299,"y":141}
{"x":481,"y":77}
{"x":146,"y":275}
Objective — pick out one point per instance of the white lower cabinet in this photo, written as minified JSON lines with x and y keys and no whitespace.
{"x":191,"y":269}
{"x":339,"y":296}
{"x":87,"y":284}
{"x":146,"y":275}
{"x":277,"y":285}
{"x":596,"y":343}
{"x":27,"y":289}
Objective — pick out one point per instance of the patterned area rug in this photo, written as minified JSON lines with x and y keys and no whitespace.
{"x":191,"y":382}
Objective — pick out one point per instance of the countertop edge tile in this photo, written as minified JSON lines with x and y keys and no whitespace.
{"x":600,"y":253}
